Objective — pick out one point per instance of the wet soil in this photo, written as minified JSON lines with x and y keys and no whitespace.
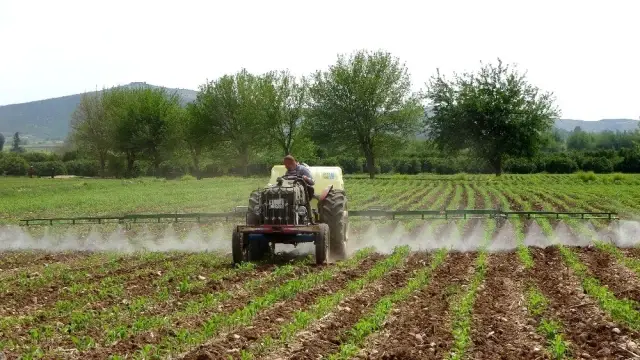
{"x":420,"y":328}
{"x":281,"y":309}
{"x":324,"y":337}
{"x":589,"y":331}
{"x":621,"y":281}
{"x":501,"y":327}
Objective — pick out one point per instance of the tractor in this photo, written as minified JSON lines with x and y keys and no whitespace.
{"x":285,"y":212}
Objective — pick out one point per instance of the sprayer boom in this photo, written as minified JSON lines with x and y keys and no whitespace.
{"x":371,"y":214}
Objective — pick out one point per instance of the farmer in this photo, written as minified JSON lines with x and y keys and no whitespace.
{"x":295,"y":169}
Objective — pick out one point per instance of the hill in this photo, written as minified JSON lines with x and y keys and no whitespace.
{"x":49,"y":119}
{"x":598,"y":126}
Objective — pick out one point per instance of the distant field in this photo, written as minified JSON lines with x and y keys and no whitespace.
{"x":469,"y":288}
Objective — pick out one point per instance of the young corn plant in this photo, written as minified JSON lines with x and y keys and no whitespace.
{"x":374,"y":321}
{"x":303,"y":318}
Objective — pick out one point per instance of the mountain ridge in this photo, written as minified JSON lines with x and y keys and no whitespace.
{"x":49,"y":118}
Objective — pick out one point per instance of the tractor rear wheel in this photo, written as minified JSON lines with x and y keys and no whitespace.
{"x":254,"y":200}
{"x":322,"y":244}
{"x":237,"y":247}
{"x":333,"y":212}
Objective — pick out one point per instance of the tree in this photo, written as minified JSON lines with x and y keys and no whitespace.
{"x":1,"y":141}
{"x":91,"y":129}
{"x":145,"y":123}
{"x":285,"y":100}
{"x":363,"y":102}
{"x":494,"y":113}
{"x":15,"y":146}
{"x":233,"y":107}
{"x":580,"y":140}
{"x":196,"y":132}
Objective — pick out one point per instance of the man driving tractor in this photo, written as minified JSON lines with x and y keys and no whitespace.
{"x":295,"y":169}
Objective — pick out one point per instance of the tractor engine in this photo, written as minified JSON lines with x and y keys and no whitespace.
{"x":283,"y":204}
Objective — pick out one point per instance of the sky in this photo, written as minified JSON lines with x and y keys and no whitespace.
{"x":585,"y":52}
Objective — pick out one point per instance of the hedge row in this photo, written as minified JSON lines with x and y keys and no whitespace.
{"x":18,"y":164}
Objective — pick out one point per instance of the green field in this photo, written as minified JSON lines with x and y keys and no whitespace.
{"x":411,"y":288}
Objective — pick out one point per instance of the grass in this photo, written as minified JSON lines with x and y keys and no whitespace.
{"x":97,"y":299}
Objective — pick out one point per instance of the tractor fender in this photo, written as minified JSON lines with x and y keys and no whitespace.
{"x":325,"y":192}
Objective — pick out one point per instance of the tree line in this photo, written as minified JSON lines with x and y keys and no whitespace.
{"x":361,"y":114}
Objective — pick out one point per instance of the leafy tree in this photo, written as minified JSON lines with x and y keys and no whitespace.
{"x":234,"y":109}
{"x":364,"y":102}
{"x":495,"y":113}
{"x":15,"y":146}
{"x":196,"y":132}
{"x":285,"y":100}
{"x":580,"y":140}
{"x":1,"y":141}
{"x":91,"y":129}
{"x":145,"y":121}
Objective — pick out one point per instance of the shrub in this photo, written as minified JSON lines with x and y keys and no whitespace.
{"x":600,"y":165}
{"x":13,"y":165}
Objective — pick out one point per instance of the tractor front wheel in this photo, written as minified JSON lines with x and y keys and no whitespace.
{"x":258,"y":248}
{"x":322,"y":244}
{"x":237,"y":247}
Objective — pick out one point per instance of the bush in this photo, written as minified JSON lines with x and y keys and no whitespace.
{"x":600,"y":165}
{"x":519,"y":166}
{"x":83,"y":167}
{"x":560,"y":165}
{"x":45,"y":168}
{"x":13,"y":165}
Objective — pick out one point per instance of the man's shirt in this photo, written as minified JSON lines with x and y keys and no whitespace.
{"x":301,"y":170}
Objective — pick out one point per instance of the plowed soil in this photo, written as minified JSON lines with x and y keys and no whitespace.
{"x":16,"y":260}
{"x":27,"y":299}
{"x":421,"y":327}
{"x":501,"y":327}
{"x":324,"y":337}
{"x":592,"y":334}
{"x":623,"y":282}
{"x":282,"y":310}
{"x":230,"y":283}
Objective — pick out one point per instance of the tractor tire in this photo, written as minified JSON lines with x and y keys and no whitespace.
{"x":252,"y":218}
{"x":237,"y":248}
{"x":333,"y":212}
{"x":322,"y":244}
{"x":257,"y":249}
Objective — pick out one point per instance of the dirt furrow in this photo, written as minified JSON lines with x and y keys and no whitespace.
{"x":501,"y":328}
{"x":421,"y":327}
{"x":193,"y":323}
{"x":96,"y":328}
{"x":622,"y":282}
{"x":26,"y":300}
{"x":324,"y":336}
{"x":585,"y":325}
{"x":12,"y":260}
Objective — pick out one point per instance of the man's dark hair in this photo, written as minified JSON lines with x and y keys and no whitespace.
{"x":290,"y":157}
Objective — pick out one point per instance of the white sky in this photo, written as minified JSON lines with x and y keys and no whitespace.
{"x":586,"y":54}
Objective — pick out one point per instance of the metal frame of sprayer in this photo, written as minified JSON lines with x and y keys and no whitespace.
{"x":371,"y":214}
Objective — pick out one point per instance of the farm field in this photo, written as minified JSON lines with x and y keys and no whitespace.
{"x":470,"y":288}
